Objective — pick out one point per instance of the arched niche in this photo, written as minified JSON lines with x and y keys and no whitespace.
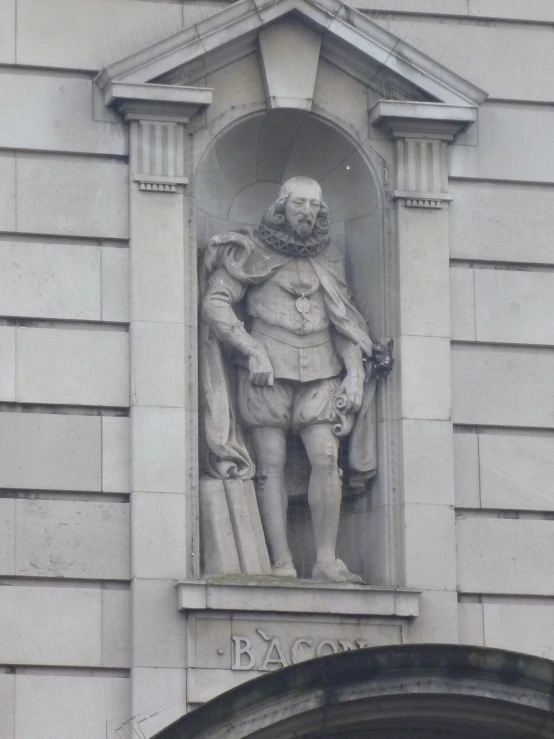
{"x":237,"y":177}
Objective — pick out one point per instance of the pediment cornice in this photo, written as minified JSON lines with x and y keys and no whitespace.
{"x":354,"y":41}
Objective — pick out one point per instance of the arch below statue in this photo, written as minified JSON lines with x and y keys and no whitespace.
{"x":418,"y":692}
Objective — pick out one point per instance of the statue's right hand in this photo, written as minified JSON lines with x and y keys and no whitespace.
{"x":259,"y":366}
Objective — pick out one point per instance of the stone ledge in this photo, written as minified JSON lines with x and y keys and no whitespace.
{"x":405,"y":119}
{"x":300,"y":596}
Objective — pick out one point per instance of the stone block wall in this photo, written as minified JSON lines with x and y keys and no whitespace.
{"x":65,"y":565}
{"x":64,"y":378}
{"x":502,"y":280}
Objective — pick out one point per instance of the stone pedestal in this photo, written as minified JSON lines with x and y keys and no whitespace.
{"x":239,"y":629}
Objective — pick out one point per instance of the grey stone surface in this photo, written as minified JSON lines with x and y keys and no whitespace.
{"x":470,"y":618}
{"x":94,"y":193}
{"x":157,"y":260}
{"x":7,"y":363}
{"x":116,"y":634}
{"x":341,"y":96}
{"x":241,"y":79}
{"x":72,"y":367}
{"x":58,"y":538}
{"x":242,"y":594}
{"x":425,"y":357}
{"x":462,"y":302}
{"x":7,"y":191}
{"x":159,"y":631}
{"x":90,"y":705}
{"x":424,"y":484}
{"x":158,"y":383}
{"x":116,"y":451}
{"x":50,"y":452}
{"x":517,"y":471}
{"x":514,"y":551}
{"x":500,"y":222}
{"x":7,"y":536}
{"x":219,"y":547}
{"x":7,"y":32}
{"x":466,"y":470}
{"x":499,"y":154}
{"x":7,"y":701}
{"x":69,"y":125}
{"x":247,"y":528}
{"x":476,"y":52}
{"x":158,"y":450}
{"x":532,"y":10}
{"x":423,"y":270}
{"x":415,"y":7}
{"x":432,"y":561}
{"x":203,"y":685}
{"x":289,"y":53}
{"x":437,"y":621}
{"x":159,"y":541}
{"x":115,"y":284}
{"x":159,"y":697}
{"x":210,"y":641}
{"x":514,"y":306}
{"x":256,"y":526}
{"x":523,"y":627}
{"x":505,"y":386}
{"x":94,"y":35}
{"x":40,"y":280}
{"x":71,"y":626}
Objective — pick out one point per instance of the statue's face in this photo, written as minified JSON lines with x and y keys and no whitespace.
{"x":302,"y":207}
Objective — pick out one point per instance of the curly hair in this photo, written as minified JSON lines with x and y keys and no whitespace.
{"x":275,"y":214}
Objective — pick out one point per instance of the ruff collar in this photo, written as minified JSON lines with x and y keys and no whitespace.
{"x":284,"y":243}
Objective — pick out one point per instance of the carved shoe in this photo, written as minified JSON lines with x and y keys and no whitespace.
{"x":334,"y":571}
{"x":284,"y":568}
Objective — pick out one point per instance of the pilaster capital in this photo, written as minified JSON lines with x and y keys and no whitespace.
{"x":422,"y":132}
{"x":157,"y":115}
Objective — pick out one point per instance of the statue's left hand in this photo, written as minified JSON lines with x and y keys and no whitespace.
{"x":353,"y":387}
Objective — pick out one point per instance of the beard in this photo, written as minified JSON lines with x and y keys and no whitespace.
{"x":303,"y":228}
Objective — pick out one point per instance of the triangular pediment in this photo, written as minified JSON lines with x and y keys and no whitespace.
{"x":346,"y":37}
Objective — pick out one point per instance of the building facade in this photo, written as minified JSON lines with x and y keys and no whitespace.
{"x":135,"y":586}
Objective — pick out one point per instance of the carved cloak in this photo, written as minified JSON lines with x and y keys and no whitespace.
{"x":226,"y":453}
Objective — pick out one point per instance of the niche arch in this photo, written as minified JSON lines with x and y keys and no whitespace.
{"x":240,"y":162}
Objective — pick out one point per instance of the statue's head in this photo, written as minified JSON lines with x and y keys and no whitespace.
{"x":299,"y":209}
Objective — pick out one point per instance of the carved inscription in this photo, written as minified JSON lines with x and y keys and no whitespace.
{"x":277,"y":653}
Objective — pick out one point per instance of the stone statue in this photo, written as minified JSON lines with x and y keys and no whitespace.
{"x":283,"y":349}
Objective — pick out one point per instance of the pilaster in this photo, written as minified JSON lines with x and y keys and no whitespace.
{"x":163,"y":389}
{"x":422,"y":133}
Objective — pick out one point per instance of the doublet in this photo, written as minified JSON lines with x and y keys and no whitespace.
{"x":299,"y":309}
{"x":299,"y":345}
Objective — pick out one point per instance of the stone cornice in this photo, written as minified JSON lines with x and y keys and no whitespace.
{"x":148,"y":101}
{"x":303,"y":596}
{"x":422,"y":120}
